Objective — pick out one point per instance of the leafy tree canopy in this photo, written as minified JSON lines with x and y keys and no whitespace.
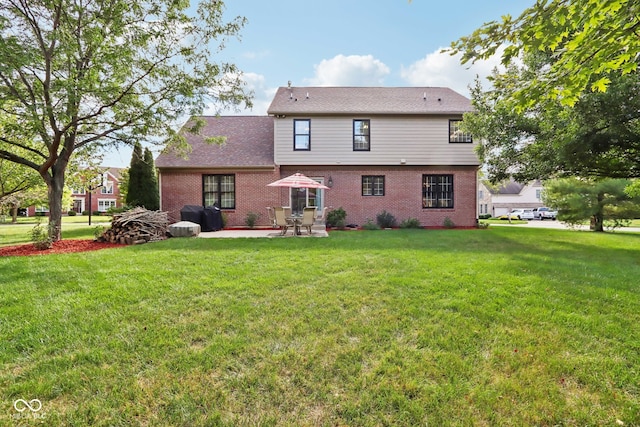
{"x":88,"y":74}
{"x":592,"y":41}
{"x":598,"y":137}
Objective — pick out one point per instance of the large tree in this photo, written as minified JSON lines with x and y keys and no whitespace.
{"x":601,"y":201}
{"x":596,"y":138}
{"x":592,"y":41}
{"x":88,"y":73}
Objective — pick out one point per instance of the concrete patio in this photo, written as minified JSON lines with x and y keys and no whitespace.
{"x":318,"y":231}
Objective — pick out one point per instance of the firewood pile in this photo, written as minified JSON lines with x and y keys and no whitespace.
{"x":136,"y":226}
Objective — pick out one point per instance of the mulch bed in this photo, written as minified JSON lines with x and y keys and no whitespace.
{"x":59,"y":247}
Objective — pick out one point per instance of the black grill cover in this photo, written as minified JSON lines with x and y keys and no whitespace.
{"x":211,"y":219}
{"x":192,"y":213}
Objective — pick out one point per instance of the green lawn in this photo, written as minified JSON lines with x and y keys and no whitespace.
{"x":73,"y":227}
{"x":498,"y":327}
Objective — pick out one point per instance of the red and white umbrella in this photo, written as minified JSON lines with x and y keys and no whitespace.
{"x":297,"y":180}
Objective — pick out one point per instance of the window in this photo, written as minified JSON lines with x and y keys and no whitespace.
{"x":107,"y":188}
{"x":220,"y":190}
{"x":105,"y":204}
{"x":437,"y":191}
{"x":373,"y":185}
{"x":456,"y":134}
{"x":302,"y":134}
{"x":361,"y":136}
{"x":538,"y":194}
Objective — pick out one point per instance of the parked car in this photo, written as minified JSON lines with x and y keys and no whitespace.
{"x":545,"y":213}
{"x":514,"y":214}
{"x":528,"y":214}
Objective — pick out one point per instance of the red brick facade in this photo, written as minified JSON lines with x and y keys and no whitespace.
{"x":403,"y":193}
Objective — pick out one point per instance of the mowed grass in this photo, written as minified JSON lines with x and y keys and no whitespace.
{"x":505,"y":326}
{"x":73,"y":227}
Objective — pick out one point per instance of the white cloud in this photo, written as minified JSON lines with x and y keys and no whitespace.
{"x":262,"y":97}
{"x":441,"y":69}
{"x":352,"y":70}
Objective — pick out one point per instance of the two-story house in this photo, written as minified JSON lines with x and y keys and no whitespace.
{"x":106,"y":196}
{"x":395,"y":149}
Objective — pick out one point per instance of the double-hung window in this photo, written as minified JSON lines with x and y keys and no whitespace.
{"x":437,"y":191}
{"x":361,"y":135}
{"x":373,"y":185}
{"x":219,"y":190}
{"x":456,"y":134}
{"x":302,"y":134}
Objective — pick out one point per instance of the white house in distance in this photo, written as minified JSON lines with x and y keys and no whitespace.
{"x":501,"y":199}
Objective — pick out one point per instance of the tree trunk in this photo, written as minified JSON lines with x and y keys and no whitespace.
{"x":598,"y":222}
{"x":55,"y":187}
{"x":14,"y":213}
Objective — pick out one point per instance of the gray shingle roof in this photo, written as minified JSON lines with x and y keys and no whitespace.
{"x":368,"y":100}
{"x":249,"y":144}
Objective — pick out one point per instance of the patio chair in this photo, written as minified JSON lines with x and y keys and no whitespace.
{"x":281,"y":220}
{"x":272,"y":216}
{"x":308,"y":218}
{"x":322,"y":216}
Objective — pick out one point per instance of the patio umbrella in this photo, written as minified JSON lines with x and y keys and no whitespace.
{"x":297,"y":180}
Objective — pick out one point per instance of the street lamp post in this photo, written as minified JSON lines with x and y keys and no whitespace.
{"x":91,"y":188}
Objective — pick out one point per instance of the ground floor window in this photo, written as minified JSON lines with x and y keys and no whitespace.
{"x":437,"y":191}
{"x":373,"y":185}
{"x":105,"y":204}
{"x":219,"y":190}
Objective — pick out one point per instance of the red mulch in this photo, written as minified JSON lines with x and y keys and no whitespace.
{"x":59,"y":247}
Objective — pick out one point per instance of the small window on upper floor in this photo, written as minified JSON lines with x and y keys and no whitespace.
{"x":456,"y":134}
{"x":302,"y":134}
{"x":361,"y":135}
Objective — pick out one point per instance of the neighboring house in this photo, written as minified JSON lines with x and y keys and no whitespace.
{"x":501,"y":199}
{"x":394,"y":149}
{"x":102,"y":198}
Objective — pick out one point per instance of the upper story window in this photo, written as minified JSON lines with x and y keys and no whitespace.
{"x":437,"y":191}
{"x":361,"y":135}
{"x":456,"y":134}
{"x":219,"y":190}
{"x":373,"y":185}
{"x":302,"y":134}
{"x":107,"y":188}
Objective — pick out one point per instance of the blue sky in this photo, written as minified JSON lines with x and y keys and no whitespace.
{"x":352,"y":43}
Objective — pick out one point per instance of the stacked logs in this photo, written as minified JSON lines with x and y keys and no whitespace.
{"x":136,"y":226}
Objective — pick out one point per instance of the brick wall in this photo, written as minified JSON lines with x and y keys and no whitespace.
{"x":403,"y":193}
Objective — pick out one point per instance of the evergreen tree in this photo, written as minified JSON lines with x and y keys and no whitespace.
{"x":135,"y":190}
{"x":142,"y":189}
{"x":152,"y":200}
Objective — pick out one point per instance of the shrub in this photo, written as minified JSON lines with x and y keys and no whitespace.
{"x":448,"y":223}
{"x":96,"y":213}
{"x":484,"y":216}
{"x":251,"y":219}
{"x":71,"y":213}
{"x":85,"y":213}
{"x":370,"y":225}
{"x":483,"y":225}
{"x":385,"y":220}
{"x":410,"y":223}
{"x":113,"y":210}
{"x":98,"y":231}
{"x":40,"y":237}
{"x":336,"y":218}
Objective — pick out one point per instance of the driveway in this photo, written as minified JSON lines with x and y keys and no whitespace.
{"x":557,"y":225}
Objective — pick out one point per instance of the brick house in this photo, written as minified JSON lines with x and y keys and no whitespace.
{"x":394,"y":149}
{"x":102,"y":198}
